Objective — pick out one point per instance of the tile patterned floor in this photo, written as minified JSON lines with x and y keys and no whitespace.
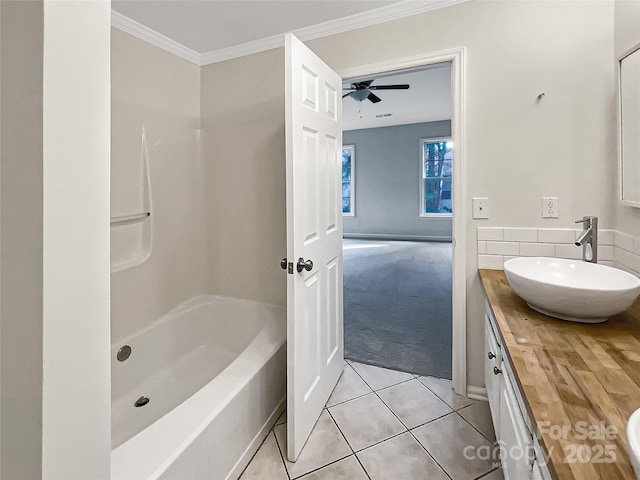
{"x":381,"y":424}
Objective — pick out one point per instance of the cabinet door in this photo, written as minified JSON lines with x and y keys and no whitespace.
{"x":517,"y":452}
{"x":492,"y":359}
{"x":536,"y":473}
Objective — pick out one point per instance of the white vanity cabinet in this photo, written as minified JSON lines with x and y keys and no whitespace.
{"x":512,"y":425}
{"x":517,"y":456}
{"x":492,"y":362}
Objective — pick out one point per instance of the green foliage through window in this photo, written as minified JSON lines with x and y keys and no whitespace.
{"x":437,"y":170}
{"x":347,"y":176}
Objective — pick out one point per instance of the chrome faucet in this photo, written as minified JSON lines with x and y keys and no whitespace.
{"x":588,"y":239}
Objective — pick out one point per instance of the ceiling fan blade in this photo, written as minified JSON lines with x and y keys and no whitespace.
{"x":374,"y":98}
{"x":361,"y":85}
{"x":389,"y":87}
{"x":346,"y":94}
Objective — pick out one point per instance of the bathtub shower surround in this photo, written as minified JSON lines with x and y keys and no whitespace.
{"x":496,"y":245}
{"x":131,"y":210}
{"x":206,"y":375}
{"x":190,"y":427}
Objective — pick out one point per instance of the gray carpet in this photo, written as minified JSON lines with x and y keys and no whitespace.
{"x":397,"y":305}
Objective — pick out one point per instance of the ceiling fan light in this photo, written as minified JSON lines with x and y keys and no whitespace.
{"x":360,"y":95}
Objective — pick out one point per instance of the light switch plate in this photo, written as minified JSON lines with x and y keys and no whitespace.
{"x":549,"y":207}
{"x":480,"y":207}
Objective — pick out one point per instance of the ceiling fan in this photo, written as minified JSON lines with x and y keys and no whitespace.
{"x":361,"y":90}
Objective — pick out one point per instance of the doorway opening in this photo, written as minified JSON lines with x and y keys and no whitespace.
{"x":399,"y":178}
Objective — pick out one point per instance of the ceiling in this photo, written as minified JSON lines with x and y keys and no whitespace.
{"x":428,"y":99}
{"x":210,"y":25}
{"x":206,"y":31}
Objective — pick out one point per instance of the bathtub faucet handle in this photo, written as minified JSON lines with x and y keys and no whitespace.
{"x":302,"y":265}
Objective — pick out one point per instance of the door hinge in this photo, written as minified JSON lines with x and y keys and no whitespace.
{"x":286,"y":266}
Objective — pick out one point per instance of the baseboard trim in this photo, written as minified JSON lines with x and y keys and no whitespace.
{"x":251,"y":450}
{"x":477,"y":393}
{"x":383,"y":236}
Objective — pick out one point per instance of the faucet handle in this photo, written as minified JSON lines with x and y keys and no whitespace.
{"x":584,"y":220}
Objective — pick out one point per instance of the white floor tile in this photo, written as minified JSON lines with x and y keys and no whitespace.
{"x":282,"y":418}
{"x":400,"y":458}
{"x":267,"y":462}
{"x":378,"y":377}
{"x":325,"y":445}
{"x":448,"y":440}
{"x":365,"y":421}
{"x":346,"y":469}
{"x":479,"y":415}
{"x":349,"y":386}
{"x":444,"y":389}
{"x":413,"y":403}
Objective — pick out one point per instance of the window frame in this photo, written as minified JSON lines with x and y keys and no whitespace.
{"x":352,"y":188}
{"x":422,"y":178}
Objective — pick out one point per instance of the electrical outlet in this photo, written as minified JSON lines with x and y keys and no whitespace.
{"x":480,"y":207}
{"x":549,"y":207}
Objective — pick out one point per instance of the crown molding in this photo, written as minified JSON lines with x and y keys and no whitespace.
{"x":127,"y":25}
{"x":241,"y":50}
{"x":388,"y":13}
{"x":395,"y":11}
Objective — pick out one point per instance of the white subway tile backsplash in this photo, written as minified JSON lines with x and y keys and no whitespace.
{"x":605,"y":253}
{"x":490,"y":233}
{"x":520,"y":235}
{"x":626,"y":259}
{"x":503,"y":248}
{"x":537,"y":250}
{"x":626,"y":269}
{"x":490,"y":262}
{"x":624,"y":241}
{"x":556,"y":235}
{"x":568,"y":251}
{"x":606,"y":237}
{"x":497,"y":245}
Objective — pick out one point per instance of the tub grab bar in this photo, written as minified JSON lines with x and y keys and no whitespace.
{"x":129,"y":218}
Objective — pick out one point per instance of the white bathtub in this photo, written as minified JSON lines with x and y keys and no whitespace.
{"x":214,"y":370}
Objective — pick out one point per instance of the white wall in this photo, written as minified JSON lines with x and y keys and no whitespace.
{"x":76,"y":407}
{"x":243,"y":148}
{"x":387,"y":182}
{"x":158,"y":93}
{"x":21,"y":239}
{"x":517,"y":150}
{"x":627,"y":35}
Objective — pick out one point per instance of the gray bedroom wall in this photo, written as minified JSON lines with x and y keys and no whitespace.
{"x":387,"y":190}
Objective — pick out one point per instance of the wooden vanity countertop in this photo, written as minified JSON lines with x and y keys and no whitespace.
{"x":570,"y":373}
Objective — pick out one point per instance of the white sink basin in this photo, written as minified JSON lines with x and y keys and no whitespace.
{"x":633,"y":435}
{"x":571,"y":289}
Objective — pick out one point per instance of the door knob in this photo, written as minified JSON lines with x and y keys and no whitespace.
{"x":302,"y":265}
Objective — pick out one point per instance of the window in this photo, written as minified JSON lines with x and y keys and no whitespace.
{"x":437,"y":168}
{"x":348,"y":180}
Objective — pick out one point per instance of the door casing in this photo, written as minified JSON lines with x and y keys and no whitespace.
{"x":456,"y":57}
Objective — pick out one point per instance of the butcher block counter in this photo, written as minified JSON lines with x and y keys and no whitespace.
{"x":579,"y":382}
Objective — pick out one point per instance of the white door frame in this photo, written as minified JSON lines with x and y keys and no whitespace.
{"x":459,"y":231}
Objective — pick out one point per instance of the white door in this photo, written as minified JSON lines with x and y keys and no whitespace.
{"x":314,"y":234}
